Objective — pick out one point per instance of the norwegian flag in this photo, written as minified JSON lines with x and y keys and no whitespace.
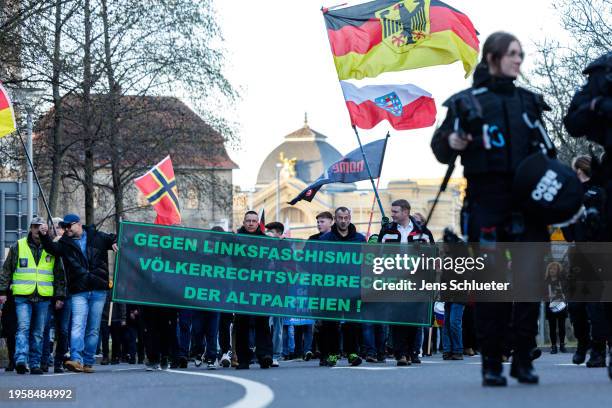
{"x":159,"y":187}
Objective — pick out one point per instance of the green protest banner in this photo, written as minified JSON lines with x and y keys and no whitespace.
{"x":201,"y":269}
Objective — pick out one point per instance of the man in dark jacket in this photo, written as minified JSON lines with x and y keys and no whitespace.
{"x":324,"y":223}
{"x":84,"y":251}
{"x":35,"y":278}
{"x":263,"y":337}
{"x":342,"y":230}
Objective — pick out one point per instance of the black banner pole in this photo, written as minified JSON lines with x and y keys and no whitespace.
{"x":42,"y":193}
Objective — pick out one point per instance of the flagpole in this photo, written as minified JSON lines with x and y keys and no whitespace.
{"x":447,"y":176}
{"x":42,"y":193}
{"x":372,"y":211}
{"x":365,"y":159}
{"x":382,"y":160}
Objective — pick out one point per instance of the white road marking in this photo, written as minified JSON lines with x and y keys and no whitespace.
{"x":130,"y":369}
{"x":58,"y":374}
{"x":257,"y":395}
{"x":370,"y":368}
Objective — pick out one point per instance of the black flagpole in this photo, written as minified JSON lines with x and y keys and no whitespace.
{"x":42,"y":193}
{"x":365,"y":159}
{"x":447,"y":176}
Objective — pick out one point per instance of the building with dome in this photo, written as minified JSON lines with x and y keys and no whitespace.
{"x":302,"y":157}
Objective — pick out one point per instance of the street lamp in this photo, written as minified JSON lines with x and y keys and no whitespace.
{"x":279,"y":166}
{"x":29,"y":98}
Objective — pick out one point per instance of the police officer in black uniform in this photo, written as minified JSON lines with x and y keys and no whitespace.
{"x":590,"y":115}
{"x":487,"y":127}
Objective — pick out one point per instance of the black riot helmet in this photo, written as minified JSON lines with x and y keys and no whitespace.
{"x":547,"y":190}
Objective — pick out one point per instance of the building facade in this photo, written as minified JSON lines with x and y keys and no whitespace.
{"x":151,"y":128}
{"x":303,"y":157}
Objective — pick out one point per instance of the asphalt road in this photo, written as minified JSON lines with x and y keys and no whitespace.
{"x":435,"y":383}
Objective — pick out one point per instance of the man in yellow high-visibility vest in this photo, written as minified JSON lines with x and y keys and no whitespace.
{"x":35,"y":279}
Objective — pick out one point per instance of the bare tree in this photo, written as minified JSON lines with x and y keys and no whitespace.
{"x":149,"y":50}
{"x":558,"y":72}
{"x":95,"y":58}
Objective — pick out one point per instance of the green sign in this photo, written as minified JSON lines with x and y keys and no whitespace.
{"x":201,"y":269}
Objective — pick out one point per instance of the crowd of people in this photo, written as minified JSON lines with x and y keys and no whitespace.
{"x":57,"y":311}
{"x":59,"y":281}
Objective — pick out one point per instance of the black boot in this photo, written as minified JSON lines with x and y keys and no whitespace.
{"x":610,"y":364}
{"x":535,"y":353}
{"x":522,"y":369}
{"x":598,"y":356}
{"x":562,"y":348}
{"x":580,"y":354}
{"x":553,"y":349}
{"x":492,"y":372}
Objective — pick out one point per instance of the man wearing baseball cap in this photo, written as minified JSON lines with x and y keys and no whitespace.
{"x":84,"y":252}
{"x":35,"y":278}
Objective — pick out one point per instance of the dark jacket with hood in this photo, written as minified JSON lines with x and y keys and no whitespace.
{"x":84,"y":273}
{"x":334,"y":235}
{"x":315,"y":237}
{"x":590,"y":113}
{"x":501,"y":105}
{"x":243,"y":230}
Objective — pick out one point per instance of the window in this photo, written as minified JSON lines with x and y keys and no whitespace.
{"x":192,"y":199}
{"x":294,"y":215}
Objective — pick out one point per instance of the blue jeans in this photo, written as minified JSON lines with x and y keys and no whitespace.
{"x":373,"y":339}
{"x":277,"y":337}
{"x":62,"y":332}
{"x":31,"y":319}
{"x":452,"y":338}
{"x":86,"y":317}
{"x":418,"y":341}
{"x":303,"y":339}
{"x":205,"y":330}
{"x":46,"y":346}
{"x":185,"y":318}
{"x":288,"y":339}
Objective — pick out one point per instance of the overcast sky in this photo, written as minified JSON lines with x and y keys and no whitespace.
{"x":279,"y":54}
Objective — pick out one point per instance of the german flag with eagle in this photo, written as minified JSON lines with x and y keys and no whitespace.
{"x":390,"y":35}
{"x":159,"y":187}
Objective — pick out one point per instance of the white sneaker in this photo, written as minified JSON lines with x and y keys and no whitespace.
{"x":226,"y":359}
{"x":211,"y":365}
{"x":275,"y":363}
{"x":198,"y":361}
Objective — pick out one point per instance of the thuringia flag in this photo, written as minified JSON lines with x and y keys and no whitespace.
{"x":405,"y":107}
{"x":392,"y":35}
{"x":159,"y":187}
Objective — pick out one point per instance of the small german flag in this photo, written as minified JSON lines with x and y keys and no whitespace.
{"x":390,"y":35}
{"x":7,"y":117}
{"x":159,"y":187}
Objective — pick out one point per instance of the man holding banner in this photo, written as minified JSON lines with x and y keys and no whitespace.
{"x":404,"y":229}
{"x":84,"y":252}
{"x":342,"y":230}
{"x":263,"y":337}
